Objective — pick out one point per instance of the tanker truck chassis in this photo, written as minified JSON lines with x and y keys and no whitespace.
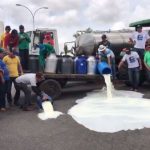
{"x":54,"y":83}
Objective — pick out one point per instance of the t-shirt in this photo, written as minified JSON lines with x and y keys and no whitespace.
{"x":4,"y":40}
{"x":24,"y":41}
{"x":12,"y":65}
{"x":107,"y":53}
{"x":105,"y":43}
{"x":5,"y":70}
{"x":29,"y":79}
{"x":132,"y":59}
{"x":147,"y":58}
{"x":140,"y":39}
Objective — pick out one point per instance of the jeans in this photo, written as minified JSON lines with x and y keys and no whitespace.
{"x":27,"y":92}
{"x":134,"y":74}
{"x":39,"y":101}
{"x":113,"y":68}
{"x":17,"y":94}
{"x":24,"y":57}
{"x":148,"y":75}
{"x":140,"y":51}
{"x":2,"y":95}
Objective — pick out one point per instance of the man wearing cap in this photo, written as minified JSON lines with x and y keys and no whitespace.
{"x":138,"y":39}
{"x":24,"y":41}
{"x":29,"y":79}
{"x":134,"y":66}
{"x":105,"y":54}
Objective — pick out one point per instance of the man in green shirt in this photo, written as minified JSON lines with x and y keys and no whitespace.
{"x":45,"y":51}
{"x":147,"y":61}
{"x":24,"y":41}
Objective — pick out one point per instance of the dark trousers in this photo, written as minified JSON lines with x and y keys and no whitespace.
{"x":24,"y":57}
{"x":27,"y":92}
{"x":2,"y":95}
{"x":134,"y":74}
{"x":17,"y":94}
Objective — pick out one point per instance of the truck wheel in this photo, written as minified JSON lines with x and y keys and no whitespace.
{"x":51,"y":87}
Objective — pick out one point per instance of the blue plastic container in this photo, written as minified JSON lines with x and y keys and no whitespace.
{"x":81,"y":65}
{"x":103,"y":68}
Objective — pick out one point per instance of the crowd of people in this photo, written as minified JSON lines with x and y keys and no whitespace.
{"x":136,"y":56}
{"x":14,"y":56}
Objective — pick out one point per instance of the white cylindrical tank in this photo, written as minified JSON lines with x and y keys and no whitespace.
{"x":91,"y":65}
{"x":87,"y":43}
{"x":51,"y":63}
{"x":1,"y":27}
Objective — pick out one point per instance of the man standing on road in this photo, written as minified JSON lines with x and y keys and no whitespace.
{"x":5,"y":84}
{"x":14,"y":67}
{"x":134,"y":67}
{"x":29,"y":79}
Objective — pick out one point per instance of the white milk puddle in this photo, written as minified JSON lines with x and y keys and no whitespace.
{"x":125,"y":110}
{"x":48,"y":111}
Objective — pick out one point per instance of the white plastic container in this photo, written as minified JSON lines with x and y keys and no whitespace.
{"x":91,"y":65}
{"x":51,"y":63}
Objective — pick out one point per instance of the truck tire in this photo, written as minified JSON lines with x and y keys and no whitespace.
{"x":51,"y":87}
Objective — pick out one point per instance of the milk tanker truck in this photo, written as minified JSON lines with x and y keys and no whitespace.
{"x":63,"y":68}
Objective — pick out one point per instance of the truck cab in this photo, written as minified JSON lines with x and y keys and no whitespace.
{"x":43,"y":35}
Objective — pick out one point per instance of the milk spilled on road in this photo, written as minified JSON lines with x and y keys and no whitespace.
{"x":108,"y":85}
{"x":48,"y":111}
{"x":121,"y":110}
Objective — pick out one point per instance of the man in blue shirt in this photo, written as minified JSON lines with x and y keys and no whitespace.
{"x":4,"y":86}
{"x":107,"y":55}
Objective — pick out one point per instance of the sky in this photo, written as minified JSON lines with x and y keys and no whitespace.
{"x":69,"y":16}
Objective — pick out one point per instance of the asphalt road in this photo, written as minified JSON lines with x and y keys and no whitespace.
{"x":24,"y":131}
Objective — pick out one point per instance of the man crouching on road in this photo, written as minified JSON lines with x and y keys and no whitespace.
{"x":29,"y":79}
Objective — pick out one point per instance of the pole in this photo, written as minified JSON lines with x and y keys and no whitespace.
{"x":33,"y":20}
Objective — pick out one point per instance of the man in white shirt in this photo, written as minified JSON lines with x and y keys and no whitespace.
{"x":29,"y":79}
{"x":134,"y":66}
{"x":138,"y":39}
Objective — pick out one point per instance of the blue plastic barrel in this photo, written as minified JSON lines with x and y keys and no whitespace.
{"x":81,"y":65}
{"x":103,"y":68}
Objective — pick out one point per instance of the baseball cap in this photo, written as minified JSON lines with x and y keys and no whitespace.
{"x":138,"y":26}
